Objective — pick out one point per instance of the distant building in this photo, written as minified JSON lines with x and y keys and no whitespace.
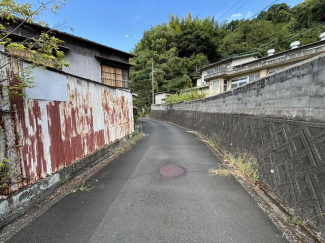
{"x":160,"y":97}
{"x":236,"y":71}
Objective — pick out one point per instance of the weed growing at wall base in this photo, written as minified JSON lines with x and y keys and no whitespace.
{"x":5,"y":173}
{"x":294,"y":220}
{"x":243,"y":164}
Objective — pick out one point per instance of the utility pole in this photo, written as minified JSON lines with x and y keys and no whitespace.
{"x":152,"y":83}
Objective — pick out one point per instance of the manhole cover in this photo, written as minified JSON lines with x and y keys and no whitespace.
{"x":172,"y":171}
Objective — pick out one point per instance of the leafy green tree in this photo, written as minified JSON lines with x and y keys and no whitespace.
{"x":183,"y":45}
{"x":277,"y":13}
{"x":309,"y":12}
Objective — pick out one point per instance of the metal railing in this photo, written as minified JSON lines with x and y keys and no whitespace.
{"x":118,"y":83}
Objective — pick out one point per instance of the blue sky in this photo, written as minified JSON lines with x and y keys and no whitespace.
{"x":120,"y":24}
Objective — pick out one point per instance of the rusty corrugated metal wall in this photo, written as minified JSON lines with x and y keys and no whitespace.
{"x":54,"y":134}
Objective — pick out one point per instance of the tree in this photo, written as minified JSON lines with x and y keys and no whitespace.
{"x":183,"y":45}
{"x":277,"y":13}
{"x":42,"y":50}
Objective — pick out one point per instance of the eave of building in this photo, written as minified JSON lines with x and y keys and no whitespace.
{"x":228,"y":59}
{"x":20,"y":37}
{"x":113,"y":62}
{"x":75,"y":37}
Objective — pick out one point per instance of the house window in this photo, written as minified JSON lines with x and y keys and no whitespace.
{"x":215,"y":70}
{"x":115,"y":77}
{"x":238,"y":82}
{"x":254,"y":77}
{"x":224,"y":85}
{"x":216,"y":85}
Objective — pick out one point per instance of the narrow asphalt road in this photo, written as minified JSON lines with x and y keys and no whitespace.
{"x":132,"y":202}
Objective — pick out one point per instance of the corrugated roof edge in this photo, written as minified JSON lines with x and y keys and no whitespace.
{"x":78,"y":37}
{"x":231,"y":58}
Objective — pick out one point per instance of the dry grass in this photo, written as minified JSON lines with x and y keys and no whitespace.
{"x":241,"y":164}
{"x":223,"y":172}
{"x":244,"y":164}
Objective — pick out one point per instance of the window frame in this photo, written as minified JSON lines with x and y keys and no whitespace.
{"x":239,"y":82}
{"x":117,"y":78}
{"x":213,"y":84}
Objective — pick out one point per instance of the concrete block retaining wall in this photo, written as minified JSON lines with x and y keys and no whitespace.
{"x":281,"y":120}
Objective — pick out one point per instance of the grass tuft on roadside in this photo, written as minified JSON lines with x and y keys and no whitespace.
{"x":241,"y":164}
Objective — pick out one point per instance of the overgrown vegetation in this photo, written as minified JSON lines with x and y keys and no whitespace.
{"x":192,"y":95}
{"x":242,"y":164}
{"x":180,"y":47}
{"x":5,"y":173}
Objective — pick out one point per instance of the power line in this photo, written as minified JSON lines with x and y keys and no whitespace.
{"x":221,"y":8}
{"x":297,"y":28}
{"x":229,"y":9}
{"x":263,"y":9}
{"x":300,"y":34}
{"x":239,"y":7}
{"x":255,"y":15}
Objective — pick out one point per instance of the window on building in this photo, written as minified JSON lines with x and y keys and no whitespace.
{"x":115,"y":77}
{"x":214,"y":70}
{"x":216,"y":85}
{"x":224,"y":85}
{"x":254,"y":77}
{"x":238,"y":82}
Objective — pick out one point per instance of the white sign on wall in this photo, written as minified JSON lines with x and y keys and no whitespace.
{"x":48,"y":85}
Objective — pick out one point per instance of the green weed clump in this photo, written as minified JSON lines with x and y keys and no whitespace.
{"x":243,"y":163}
{"x":193,"y":95}
{"x":5,"y":173}
{"x":295,"y":221}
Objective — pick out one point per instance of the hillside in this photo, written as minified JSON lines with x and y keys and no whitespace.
{"x":184,"y":44}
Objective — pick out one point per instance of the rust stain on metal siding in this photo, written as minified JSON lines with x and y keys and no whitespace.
{"x":55,"y":134}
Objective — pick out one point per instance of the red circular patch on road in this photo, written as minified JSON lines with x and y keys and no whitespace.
{"x":172,"y":171}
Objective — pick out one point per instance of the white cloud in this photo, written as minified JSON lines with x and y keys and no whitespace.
{"x":126,"y":36}
{"x":249,"y":14}
{"x":236,"y":16}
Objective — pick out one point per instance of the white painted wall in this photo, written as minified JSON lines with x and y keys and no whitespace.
{"x":48,"y":85}
{"x":159,"y":98}
{"x":243,"y":60}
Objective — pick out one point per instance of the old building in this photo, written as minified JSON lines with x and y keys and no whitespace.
{"x":72,"y":115}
